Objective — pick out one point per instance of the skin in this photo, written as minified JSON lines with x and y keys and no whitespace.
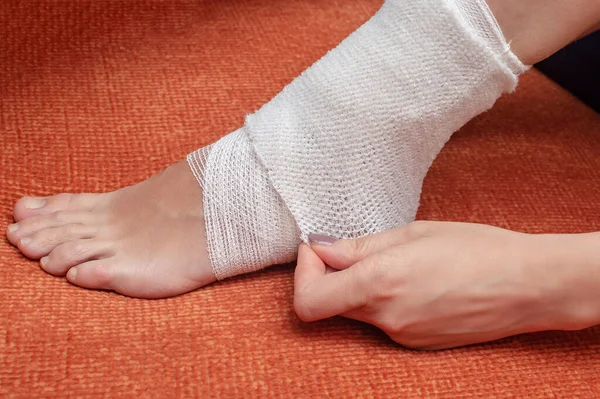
{"x":434,"y":285}
{"x":537,"y":29}
{"x":145,"y":241}
{"x":148,"y":241}
{"x":438,"y":285}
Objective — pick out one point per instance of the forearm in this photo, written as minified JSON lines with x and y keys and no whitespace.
{"x":565,"y":268}
{"x":569,"y":268}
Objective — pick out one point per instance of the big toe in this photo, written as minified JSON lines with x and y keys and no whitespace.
{"x":95,"y":274}
{"x":32,"y":206}
{"x":117,"y":273}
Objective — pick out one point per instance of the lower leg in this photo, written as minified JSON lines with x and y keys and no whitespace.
{"x":537,"y":29}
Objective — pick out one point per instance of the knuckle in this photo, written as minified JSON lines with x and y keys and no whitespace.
{"x":29,"y":224}
{"x":359,"y":247}
{"x":350,"y":246}
{"x":39,"y":238}
{"x":77,"y":249}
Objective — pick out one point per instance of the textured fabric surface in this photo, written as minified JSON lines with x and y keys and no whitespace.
{"x":95,"y":95}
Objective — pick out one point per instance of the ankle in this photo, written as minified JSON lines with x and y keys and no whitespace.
{"x":536,"y":29}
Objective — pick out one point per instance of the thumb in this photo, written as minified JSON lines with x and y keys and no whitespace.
{"x":341,"y":254}
{"x":308,"y":269}
{"x":319,"y":294}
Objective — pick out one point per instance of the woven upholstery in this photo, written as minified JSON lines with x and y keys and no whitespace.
{"x":95,"y":95}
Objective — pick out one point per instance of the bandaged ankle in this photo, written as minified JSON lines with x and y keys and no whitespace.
{"x":344,"y":148}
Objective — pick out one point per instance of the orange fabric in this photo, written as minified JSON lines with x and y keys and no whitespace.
{"x":95,"y":95}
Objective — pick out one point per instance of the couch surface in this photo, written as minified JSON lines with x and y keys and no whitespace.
{"x":96,"y":95}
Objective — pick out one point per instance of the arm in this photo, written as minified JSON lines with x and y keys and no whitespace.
{"x":575,"y":261}
{"x":435,"y":285}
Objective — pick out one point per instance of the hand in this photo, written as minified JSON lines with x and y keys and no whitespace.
{"x":435,"y":285}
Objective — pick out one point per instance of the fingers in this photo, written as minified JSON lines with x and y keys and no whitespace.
{"x":309,"y":268}
{"x":342,"y":254}
{"x":319,"y":295}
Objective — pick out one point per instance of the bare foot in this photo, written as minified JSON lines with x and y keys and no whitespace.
{"x":143,"y":241}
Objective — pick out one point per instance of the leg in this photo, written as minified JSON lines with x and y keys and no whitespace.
{"x":148,"y":240}
{"x":538,"y":28}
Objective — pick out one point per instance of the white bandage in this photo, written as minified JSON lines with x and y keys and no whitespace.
{"x":343,"y":149}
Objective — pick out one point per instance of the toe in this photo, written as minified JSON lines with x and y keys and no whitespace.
{"x":41,"y":243}
{"x":72,"y":253}
{"x":31,"y":206}
{"x":116,"y":274}
{"x":28,"y":206}
{"x":95,"y":274}
{"x":30,"y":226}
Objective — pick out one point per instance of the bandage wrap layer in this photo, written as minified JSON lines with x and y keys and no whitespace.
{"x":344,"y":148}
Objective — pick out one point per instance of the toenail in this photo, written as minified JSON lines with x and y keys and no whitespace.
{"x":35,"y":202}
{"x":72,"y":273}
{"x":13,"y":227}
{"x":25,"y":241}
{"x":44,"y":261}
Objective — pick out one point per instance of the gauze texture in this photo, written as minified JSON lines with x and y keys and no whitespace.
{"x":344,"y":148}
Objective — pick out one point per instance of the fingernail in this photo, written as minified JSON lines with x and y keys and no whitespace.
{"x":13,"y":227}
{"x":320,"y":239}
{"x":35,"y":203}
{"x":72,"y":273}
{"x":25,"y":241}
{"x":44,"y":261}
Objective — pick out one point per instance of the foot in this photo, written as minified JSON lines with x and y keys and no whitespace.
{"x":143,"y":241}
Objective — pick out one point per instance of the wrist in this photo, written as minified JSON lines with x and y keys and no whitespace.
{"x":569,"y":272}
